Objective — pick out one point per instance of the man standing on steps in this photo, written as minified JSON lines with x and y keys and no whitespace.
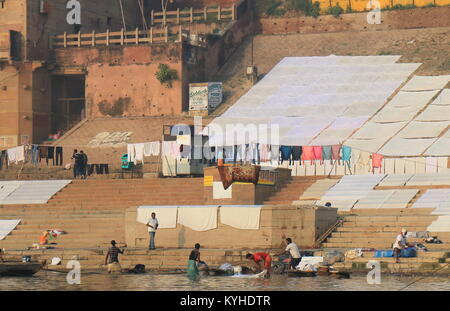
{"x":83,"y":168}
{"x":152,"y":227}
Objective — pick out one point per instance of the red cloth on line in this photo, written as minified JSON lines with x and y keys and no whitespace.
{"x":376,"y":160}
{"x":317,"y":153}
{"x":307,"y":153}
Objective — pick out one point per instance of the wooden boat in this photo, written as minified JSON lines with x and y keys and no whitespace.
{"x":17,"y":268}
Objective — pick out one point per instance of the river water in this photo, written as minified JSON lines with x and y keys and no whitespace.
{"x":55,"y":281}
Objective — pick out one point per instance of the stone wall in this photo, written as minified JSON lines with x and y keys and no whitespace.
{"x":121,"y":81}
{"x":302,"y":224}
{"x":396,"y":19}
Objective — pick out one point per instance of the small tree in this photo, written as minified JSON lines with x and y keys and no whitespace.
{"x":165,"y":75}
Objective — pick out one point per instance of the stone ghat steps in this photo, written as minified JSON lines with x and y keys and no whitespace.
{"x":378,"y":245}
{"x":156,"y":259}
{"x":292,"y":190}
{"x":378,"y":229}
{"x":381,"y":234}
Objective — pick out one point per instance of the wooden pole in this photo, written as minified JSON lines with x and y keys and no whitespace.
{"x":137,"y":35}
{"x":205,"y":13}
{"x":121,"y":36}
{"x":151,"y":34}
{"x":166,"y":32}
{"x":180,"y":34}
{"x":93,"y":37}
{"x":219,"y":13}
{"x":79,"y":38}
{"x":65,"y":39}
{"x":152,"y":17}
{"x":107,"y":37}
{"x":178,"y":15}
{"x":192,"y":15}
{"x":233,"y":12}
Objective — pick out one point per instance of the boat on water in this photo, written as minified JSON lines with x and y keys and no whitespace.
{"x":17,"y":268}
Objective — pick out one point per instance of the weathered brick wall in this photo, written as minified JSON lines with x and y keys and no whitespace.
{"x":398,"y":19}
{"x":121,"y":81}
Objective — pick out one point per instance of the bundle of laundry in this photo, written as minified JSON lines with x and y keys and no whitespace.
{"x":239,"y":173}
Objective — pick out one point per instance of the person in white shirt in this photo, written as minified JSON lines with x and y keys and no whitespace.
{"x":399,"y":244}
{"x":293,"y":250}
{"x":152,"y":226}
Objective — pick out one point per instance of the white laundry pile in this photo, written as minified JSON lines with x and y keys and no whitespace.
{"x":166,"y":215}
{"x":198,"y":218}
{"x":241,"y":216}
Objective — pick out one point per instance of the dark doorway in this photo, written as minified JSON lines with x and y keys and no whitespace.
{"x":68,"y":102}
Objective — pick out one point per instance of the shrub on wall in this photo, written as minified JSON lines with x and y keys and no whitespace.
{"x":165,"y":75}
{"x":314,"y":9}
{"x":335,"y":10}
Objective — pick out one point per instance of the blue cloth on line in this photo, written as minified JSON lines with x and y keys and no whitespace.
{"x":346,"y":153}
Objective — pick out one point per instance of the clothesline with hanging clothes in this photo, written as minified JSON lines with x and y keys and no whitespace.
{"x":136,"y":152}
{"x":31,"y":153}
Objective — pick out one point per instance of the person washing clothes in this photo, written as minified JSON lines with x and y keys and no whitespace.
{"x":152,"y":225}
{"x":263,"y":260}
{"x":113,"y":256}
{"x":194,"y":259}
{"x":400,"y":243}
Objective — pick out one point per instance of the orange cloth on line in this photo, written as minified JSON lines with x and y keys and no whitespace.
{"x":376,"y":160}
{"x":317,"y":150}
{"x":307,"y":153}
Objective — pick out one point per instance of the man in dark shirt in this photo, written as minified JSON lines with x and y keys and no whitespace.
{"x":75,"y":156}
{"x":113,"y":256}
{"x":84,"y":163}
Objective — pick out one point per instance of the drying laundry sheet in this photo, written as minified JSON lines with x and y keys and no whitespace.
{"x":439,"y":148}
{"x":429,"y":180}
{"x":166,"y":215}
{"x":426,"y":83}
{"x":417,"y":129}
{"x":241,"y":216}
{"x":367,"y":145}
{"x":8,"y":187}
{"x":432,"y":198}
{"x":408,"y":99}
{"x":435,"y":113}
{"x":374,"y":199}
{"x":395,"y":180}
{"x":373,"y":130}
{"x":6,"y":226}
{"x":400,"y":198}
{"x":35,"y":191}
{"x":442,"y":224}
{"x":396,"y":114}
{"x":307,"y":87}
{"x":406,"y":147}
{"x":443,"y":99}
{"x":198,"y":218}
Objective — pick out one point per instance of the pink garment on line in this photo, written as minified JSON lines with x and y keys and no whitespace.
{"x":307,"y":153}
{"x":317,"y":150}
{"x":335,"y":153}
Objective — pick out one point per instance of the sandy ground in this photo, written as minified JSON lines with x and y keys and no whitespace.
{"x":430,"y":46}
